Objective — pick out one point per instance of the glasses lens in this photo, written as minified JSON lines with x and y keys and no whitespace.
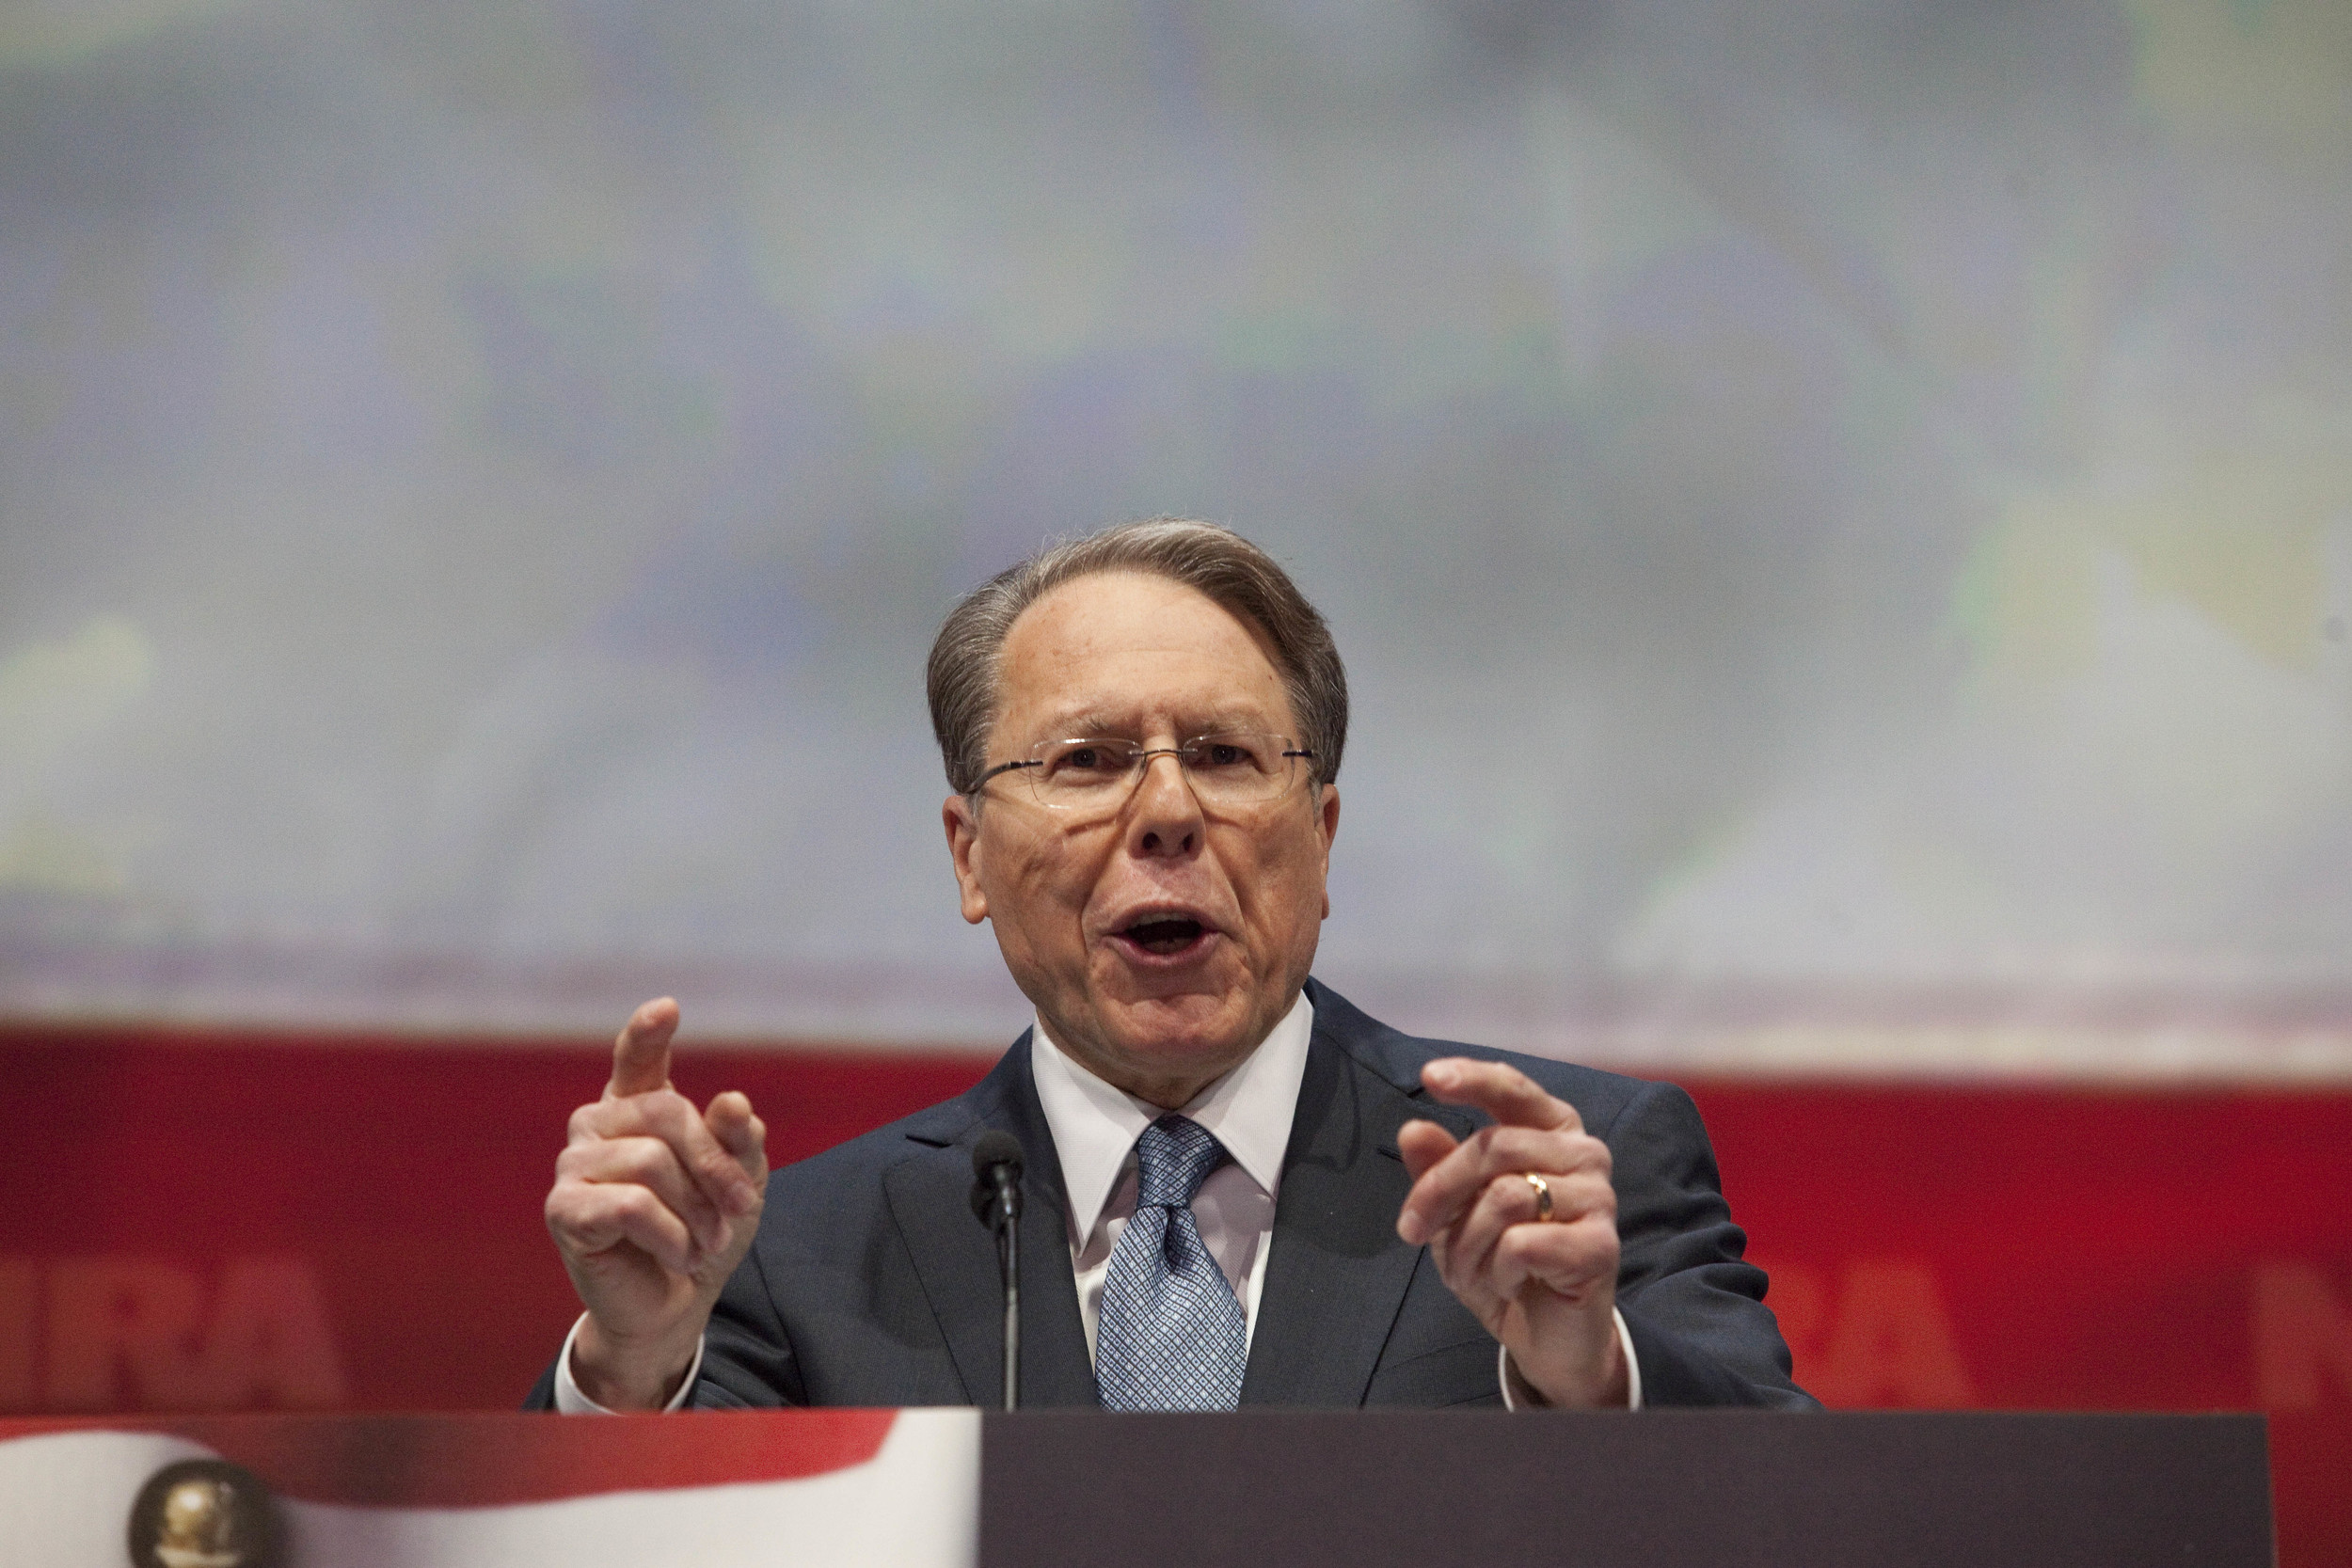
{"x":1234,"y":768}
{"x":1074,"y":774}
{"x":1237,"y":768}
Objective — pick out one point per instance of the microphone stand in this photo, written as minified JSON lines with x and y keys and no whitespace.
{"x":997,"y":1166}
{"x":1008,"y":1265}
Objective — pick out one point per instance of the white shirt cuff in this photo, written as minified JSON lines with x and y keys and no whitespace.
{"x":1625,"y":1343}
{"x":571,"y":1401}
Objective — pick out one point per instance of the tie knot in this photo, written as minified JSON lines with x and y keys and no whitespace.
{"x":1173,"y":1157}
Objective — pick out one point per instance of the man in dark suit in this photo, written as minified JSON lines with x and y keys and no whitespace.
{"x":1240,"y":1189}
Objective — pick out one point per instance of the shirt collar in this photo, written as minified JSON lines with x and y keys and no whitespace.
{"x":1095,"y":1126}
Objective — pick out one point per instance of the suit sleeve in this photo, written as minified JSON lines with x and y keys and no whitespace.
{"x":746,"y":1359}
{"x":1693,"y":1307}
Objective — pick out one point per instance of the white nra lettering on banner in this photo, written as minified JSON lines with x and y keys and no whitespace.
{"x":142,"y":1333}
{"x":1876,"y":1333}
{"x":2302,"y":1337}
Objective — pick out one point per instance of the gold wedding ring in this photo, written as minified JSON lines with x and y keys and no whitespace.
{"x":1543,"y":1195}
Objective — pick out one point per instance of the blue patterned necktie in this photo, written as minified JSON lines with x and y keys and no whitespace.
{"x":1171,"y":1336}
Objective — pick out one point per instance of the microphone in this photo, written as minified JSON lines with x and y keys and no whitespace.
{"x":997,"y":1200}
{"x":996,"y":1179}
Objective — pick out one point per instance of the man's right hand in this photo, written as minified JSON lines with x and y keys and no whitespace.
{"x":654,"y":1205}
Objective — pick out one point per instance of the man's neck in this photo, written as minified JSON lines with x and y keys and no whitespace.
{"x":1094,"y":1123}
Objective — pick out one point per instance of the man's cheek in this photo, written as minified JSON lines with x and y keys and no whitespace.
{"x":1050,"y":883}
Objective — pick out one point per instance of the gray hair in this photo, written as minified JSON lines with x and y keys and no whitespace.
{"x":1208,"y":557}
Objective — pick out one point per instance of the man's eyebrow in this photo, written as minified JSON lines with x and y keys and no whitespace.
{"x":1233,"y":721}
{"x":1091,"y":722}
{"x":1075,"y":726}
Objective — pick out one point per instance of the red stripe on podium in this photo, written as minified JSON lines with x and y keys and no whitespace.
{"x":477,"y":1461}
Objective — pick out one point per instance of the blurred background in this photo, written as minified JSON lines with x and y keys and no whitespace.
{"x":1838,"y":513}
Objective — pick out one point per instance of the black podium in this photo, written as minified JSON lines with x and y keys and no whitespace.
{"x":1664,"y":1489}
{"x":953,"y":1488}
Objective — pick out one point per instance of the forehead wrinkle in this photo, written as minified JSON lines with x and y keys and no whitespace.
{"x":1059,"y":639}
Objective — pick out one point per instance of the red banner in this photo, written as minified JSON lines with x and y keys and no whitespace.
{"x":218,"y":1223}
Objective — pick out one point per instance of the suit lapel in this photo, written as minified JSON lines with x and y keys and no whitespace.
{"x":1339,"y":1270}
{"x":955,"y":1257}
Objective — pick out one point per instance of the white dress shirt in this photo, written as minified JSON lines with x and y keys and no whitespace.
{"x":1094,"y":1127}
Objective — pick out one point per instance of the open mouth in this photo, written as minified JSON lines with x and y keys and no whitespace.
{"x":1164,"y":934}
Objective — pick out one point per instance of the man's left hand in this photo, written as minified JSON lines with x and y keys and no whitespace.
{"x":1546,"y":1288}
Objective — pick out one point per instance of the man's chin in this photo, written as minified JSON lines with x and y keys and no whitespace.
{"x":1180,"y":1036}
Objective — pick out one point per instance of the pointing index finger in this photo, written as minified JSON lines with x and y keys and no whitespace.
{"x":641,"y":1052}
{"x":1504,"y":1092}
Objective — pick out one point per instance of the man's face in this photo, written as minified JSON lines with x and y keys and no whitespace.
{"x":1138,"y":657}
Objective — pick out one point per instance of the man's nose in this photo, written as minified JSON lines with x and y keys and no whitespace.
{"x":1165,"y":817}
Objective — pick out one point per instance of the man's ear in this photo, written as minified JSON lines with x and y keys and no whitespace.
{"x":963,"y":820}
{"x":1328,"y":824}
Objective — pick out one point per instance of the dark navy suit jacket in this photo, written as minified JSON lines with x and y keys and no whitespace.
{"x":871,"y":1283}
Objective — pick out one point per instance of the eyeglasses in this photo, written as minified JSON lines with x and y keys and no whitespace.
{"x":1094,"y":775}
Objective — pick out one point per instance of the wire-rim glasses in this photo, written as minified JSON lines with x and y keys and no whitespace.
{"x":1096,"y":775}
